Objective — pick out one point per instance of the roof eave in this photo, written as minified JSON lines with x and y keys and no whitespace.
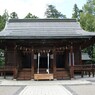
{"x":43,"y":37}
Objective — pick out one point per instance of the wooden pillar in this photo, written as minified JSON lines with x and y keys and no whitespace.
{"x":71,"y":67}
{"x":15,"y":63}
{"x":5,"y":55}
{"x":80,"y":60}
{"x":80,"y":56}
{"x":32,"y":66}
{"x":66,"y":61}
{"x":54,"y":63}
{"x":92,"y":58}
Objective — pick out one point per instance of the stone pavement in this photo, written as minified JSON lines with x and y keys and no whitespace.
{"x":55,"y":82}
{"x":82,"y":89}
{"x":45,"y":90}
{"x":78,"y":86}
{"x":9,"y":90}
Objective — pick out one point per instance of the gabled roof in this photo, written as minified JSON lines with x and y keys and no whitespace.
{"x":43,"y":29}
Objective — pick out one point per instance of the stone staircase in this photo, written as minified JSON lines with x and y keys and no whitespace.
{"x":24,"y":74}
{"x":62,"y":74}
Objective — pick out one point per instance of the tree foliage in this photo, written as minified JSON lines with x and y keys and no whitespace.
{"x":87,"y":21}
{"x":52,"y":12}
{"x":89,"y":7}
{"x":14,"y":15}
{"x":2,"y":58}
{"x":87,"y":17}
{"x":76,"y":12}
{"x":2,"y":23}
{"x":29,"y":15}
{"x":5,"y":15}
{"x":3,"y":19}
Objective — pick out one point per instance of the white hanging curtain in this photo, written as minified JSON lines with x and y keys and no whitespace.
{"x":48,"y":62}
{"x":38,"y":62}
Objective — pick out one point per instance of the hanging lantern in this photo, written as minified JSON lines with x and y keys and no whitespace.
{"x":51,"y":56}
{"x":44,"y":51}
{"x":66,"y":47}
{"x":15,"y":46}
{"x":49,"y":50}
{"x":35,"y":56}
{"x":20,"y":48}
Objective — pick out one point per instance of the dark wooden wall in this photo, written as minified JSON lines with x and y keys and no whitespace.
{"x":77,"y":56}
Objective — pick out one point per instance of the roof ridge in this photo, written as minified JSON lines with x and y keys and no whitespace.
{"x":42,"y":20}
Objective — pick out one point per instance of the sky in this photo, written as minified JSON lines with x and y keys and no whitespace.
{"x":38,"y":7}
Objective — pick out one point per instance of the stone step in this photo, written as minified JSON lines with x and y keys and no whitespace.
{"x":62,"y":75}
{"x":24,"y":74}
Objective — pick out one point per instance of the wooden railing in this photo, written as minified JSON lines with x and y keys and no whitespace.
{"x":5,"y":69}
{"x":87,"y":68}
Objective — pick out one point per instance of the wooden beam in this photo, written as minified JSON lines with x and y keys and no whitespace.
{"x":87,"y":43}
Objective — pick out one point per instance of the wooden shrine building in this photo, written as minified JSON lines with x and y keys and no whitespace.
{"x":44,"y":48}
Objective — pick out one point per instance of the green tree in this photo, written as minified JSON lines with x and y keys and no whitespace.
{"x":29,"y":15}
{"x":13,"y":15}
{"x":3,"y":19}
{"x":2,"y":23}
{"x":5,"y":15}
{"x":87,"y":17}
{"x":75,"y":12}
{"x":89,"y":7}
{"x":87,"y":21}
{"x":2,"y":59}
{"x":52,"y":12}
